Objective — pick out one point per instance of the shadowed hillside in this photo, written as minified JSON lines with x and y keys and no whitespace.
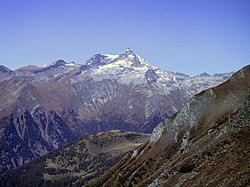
{"x":207,"y":143}
{"x":76,"y":164}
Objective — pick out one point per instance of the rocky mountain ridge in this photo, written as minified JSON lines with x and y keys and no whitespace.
{"x":205,"y":144}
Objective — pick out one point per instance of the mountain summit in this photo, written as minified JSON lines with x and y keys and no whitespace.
{"x":126,"y":59}
{"x":129,"y":51}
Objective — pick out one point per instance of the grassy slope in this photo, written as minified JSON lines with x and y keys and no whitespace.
{"x":77,"y":163}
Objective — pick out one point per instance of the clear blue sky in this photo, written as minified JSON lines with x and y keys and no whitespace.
{"x":189,"y":36}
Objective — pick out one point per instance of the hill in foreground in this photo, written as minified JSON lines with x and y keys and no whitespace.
{"x":77,"y":163}
{"x":206,"y":143}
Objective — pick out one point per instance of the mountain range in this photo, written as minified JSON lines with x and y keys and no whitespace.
{"x":43,"y":108}
{"x":206,"y":143}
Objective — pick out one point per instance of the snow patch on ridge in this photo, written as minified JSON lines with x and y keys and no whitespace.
{"x":112,"y":57}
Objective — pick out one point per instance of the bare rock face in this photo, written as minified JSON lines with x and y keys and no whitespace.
{"x":205,"y":144}
{"x":43,"y":108}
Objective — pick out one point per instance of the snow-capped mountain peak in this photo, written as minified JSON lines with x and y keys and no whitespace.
{"x":126,"y":59}
{"x":95,"y":60}
{"x":132,"y":58}
{"x":4,"y":69}
{"x":205,"y":75}
{"x":59,"y":63}
{"x":129,"y":51}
